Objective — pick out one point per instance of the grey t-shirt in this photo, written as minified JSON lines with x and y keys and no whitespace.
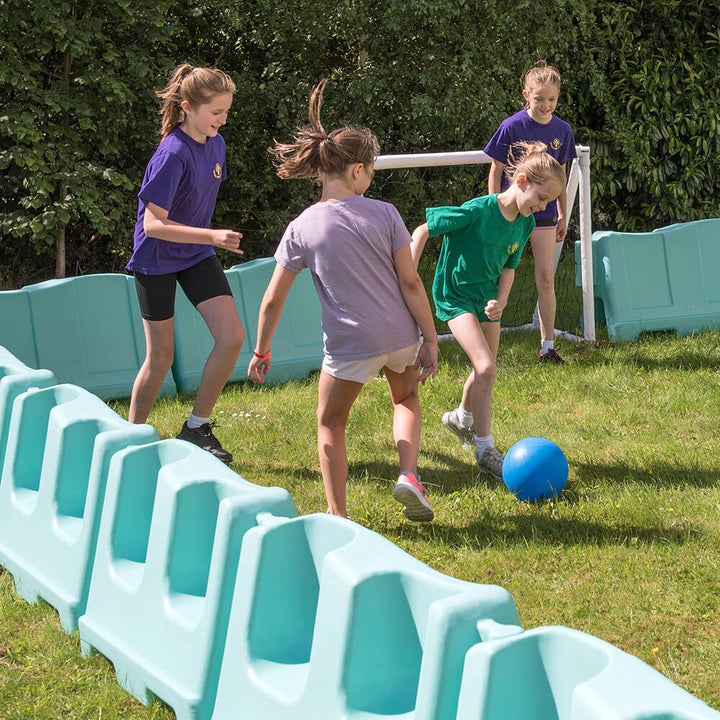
{"x":348,"y":246}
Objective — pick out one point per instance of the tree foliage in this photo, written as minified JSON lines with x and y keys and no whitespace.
{"x":78,"y":120}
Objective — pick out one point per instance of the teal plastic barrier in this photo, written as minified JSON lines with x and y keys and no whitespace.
{"x":59,"y":444}
{"x":555,"y":673}
{"x":87,"y":330}
{"x":331,"y":620}
{"x":297,"y":344}
{"x":15,"y":379}
{"x":666,"y":279}
{"x":170,"y":535}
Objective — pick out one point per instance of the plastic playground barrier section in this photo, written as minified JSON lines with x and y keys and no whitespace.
{"x":86,"y":329}
{"x":16,"y":378}
{"x":170,"y":534}
{"x":58,"y":447}
{"x":666,"y":279}
{"x":297,"y":344}
{"x":331,"y":620}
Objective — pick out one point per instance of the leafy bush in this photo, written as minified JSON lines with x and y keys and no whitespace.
{"x":80,"y":119}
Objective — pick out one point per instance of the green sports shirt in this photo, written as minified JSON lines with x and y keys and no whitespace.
{"x":478,"y":244}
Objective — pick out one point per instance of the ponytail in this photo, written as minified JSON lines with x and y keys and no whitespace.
{"x":532,"y":159}
{"x":315,"y":153}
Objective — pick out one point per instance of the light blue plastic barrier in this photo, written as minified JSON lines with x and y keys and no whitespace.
{"x":16,"y":378}
{"x":666,"y":279}
{"x":59,"y":444}
{"x":170,"y":535}
{"x":297,"y":343}
{"x":333,"y":621}
{"x":555,"y":673}
{"x":86,"y":329}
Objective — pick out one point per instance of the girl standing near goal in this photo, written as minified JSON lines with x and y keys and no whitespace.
{"x":537,"y":122}
{"x":482,"y":243}
{"x":174,"y":243}
{"x":374,"y":305}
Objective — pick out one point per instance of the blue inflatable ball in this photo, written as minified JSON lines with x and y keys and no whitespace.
{"x":533,"y":468}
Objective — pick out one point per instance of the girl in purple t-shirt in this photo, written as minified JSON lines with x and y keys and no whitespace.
{"x":537,"y":122}
{"x":174,"y":243}
{"x":374,"y":305}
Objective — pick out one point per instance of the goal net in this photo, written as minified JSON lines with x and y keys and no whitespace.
{"x":416,"y":181}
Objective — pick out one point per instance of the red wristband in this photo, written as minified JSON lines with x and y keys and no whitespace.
{"x":261,"y":356}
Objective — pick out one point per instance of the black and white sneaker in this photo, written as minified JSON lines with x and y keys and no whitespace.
{"x":203,"y":437}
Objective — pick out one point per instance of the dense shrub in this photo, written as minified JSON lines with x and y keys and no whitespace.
{"x":79,"y":117}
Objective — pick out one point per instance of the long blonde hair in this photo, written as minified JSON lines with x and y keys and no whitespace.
{"x":315,"y":153}
{"x":194,"y":84}
{"x":532,"y":159}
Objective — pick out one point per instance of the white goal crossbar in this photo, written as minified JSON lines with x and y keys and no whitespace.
{"x":578,"y":188}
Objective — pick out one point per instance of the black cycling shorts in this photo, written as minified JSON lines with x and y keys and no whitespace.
{"x":200,"y":282}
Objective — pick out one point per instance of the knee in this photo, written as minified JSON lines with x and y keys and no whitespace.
{"x":485,"y":374}
{"x":160,"y":360}
{"x":331,"y":422}
{"x":405,"y":398}
{"x":232,"y":339}
{"x":545,"y":281}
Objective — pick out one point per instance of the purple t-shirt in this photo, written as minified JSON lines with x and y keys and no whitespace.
{"x":348,"y":246}
{"x":557,"y":135}
{"x":182,"y":177}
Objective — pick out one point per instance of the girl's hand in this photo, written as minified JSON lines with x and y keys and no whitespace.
{"x":258,"y":368}
{"x":494,"y":310}
{"x":227,"y":240}
{"x":561,"y":230}
{"x":427,"y":358}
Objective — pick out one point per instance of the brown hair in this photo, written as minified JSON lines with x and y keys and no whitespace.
{"x":532,"y":159}
{"x":314,"y":152}
{"x":194,"y":84}
{"x":541,"y":74}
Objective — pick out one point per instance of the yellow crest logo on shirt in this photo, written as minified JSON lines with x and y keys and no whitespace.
{"x":217,"y":172}
{"x":555,"y":144}
{"x":512,"y":248}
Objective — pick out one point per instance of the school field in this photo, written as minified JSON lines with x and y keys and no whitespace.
{"x":629,"y":552}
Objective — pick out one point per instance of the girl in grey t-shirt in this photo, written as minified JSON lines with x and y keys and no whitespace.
{"x":375,"y":312}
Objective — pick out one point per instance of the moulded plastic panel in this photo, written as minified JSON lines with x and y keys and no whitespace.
{"x":555,"y":673}
{"x":59,"y":444}
{"x":666,"y":279}
{"x":16,"y":378}
{"x":297,"y":343}
{"x":86,"y":329}
{"x":171,"y":531}
{"x":332,"y":620}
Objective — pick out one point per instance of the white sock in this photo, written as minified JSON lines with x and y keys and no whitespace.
{"x":194,"y":422}
{"x":546,"y":345}
{"x":482,"y":443}
{"x":465,"y":417}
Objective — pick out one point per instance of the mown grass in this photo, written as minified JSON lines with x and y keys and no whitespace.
{"x":629,"y":552}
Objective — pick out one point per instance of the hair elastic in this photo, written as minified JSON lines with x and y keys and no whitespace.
{"x":261,"y":356}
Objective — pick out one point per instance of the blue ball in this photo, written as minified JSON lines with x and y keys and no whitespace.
{"x":533,"y":468}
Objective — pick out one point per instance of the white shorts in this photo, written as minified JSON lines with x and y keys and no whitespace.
{"x":366,"y":369}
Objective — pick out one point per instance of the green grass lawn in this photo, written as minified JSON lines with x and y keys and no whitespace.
{"x":629,"y":552}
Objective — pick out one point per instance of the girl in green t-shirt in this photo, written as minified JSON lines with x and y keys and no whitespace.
{"x":482,"y":242}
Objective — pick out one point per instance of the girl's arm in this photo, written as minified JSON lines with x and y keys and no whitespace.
{"x":419,"y":238}
{"x":413,"y":291}
{"x":157,"y":224}
{"x":271,"y":309}
{"x":562,"y":214}
{"x":495,"y":177}
{"x":494,"y":308}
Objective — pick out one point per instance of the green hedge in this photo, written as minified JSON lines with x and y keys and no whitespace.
{"x":640,"y":87}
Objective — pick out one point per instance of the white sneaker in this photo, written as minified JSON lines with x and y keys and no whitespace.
{"x":490,"y":462}
{"x":451,"y":421}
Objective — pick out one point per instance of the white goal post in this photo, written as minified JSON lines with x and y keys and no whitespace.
{"x":578,"y":188}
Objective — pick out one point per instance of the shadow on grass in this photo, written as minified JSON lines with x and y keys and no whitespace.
{"x":660,"y":475}
{"x":520,"y":530}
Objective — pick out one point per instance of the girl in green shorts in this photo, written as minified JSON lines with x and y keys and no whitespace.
{"x":482,"y":242}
